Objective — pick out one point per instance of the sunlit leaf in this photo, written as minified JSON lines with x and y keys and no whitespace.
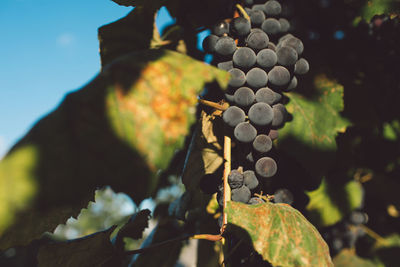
{"x":331,"y":202}
{"x":280,"y":234}
{"x":310,"y":136}
{"x":118,"y":130}
{"x":348,"y":258}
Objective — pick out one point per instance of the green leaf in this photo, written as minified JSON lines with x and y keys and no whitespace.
{"x":387,"y":250}
{"x":330,"y":202}
{"x":347,"y":258}
{"x":310,"y":136}
{"x":92,"y":250}
{"x":280,"y":234}
{"x":118,"y":130}
{"x":378,"y":7}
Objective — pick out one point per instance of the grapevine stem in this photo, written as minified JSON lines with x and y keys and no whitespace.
{"x":182,"y":238}
{"x":244,"y":13}
{"x":212,"y":104}
{"x":227,"y":170}
{"x":373,"y":234}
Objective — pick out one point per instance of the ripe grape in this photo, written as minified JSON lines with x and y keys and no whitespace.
{"x":278,"y":97}
{"x":279,"y":116}
{"x":237,"y":78}
{"x":358,"y":217}
{"x":257,"y":40}
{"x":229,"y":98}
{"x":226,"y":65}
{"x":301,"y":66}
{"x":209,"y":43}
{"x":292,"y":85}
{"x":256,"y":78}
{"x":245,"y":132}
{"x":283,"y":195}
{"x":261,"y":114}
{"x":265,"y":95}
{"x":244,"y":58}
{"x":248,"y":2}
{"x":235,"y":179}
{"x":279,"y":76}
{"x":255,"y":201}
{"x":262,"y":143}
{"x":266,"y":167}
{"x":233,"y":116}
{"x":266,"y":58}
{"x":225,"y":46}
{"x":292,"y":42}
{"x":285,"y":25}
{"x":257,"y":17}
{"x":221,"y":28}
{"x":240,"y":26}
{"x":272,"y":8}
{"x":250,"y":179}
{"x":241,"y":194}
{"x":258,"y":7}
{"x":273,"y":134}
{"x":272,"y":46}
{"x":244,"y":96}
{"x":287,"y":56}
{"x":271,"y":26}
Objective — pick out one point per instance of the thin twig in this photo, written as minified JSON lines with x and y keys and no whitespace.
{"x":373,"y":234}
{"x":227,"y":170}
{"x":244,"y":13}
{"x":212,"y":104}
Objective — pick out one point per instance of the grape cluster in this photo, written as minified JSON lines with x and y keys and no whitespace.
{"x":345,"y":233}
{"x":263,"y":60}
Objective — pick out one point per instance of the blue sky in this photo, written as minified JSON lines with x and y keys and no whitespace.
{"x":47,"y":48}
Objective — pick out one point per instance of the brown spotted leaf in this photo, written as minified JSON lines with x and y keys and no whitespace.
{"x":348,"y":258}
{"x":310,"y":136}
{"x":119,"y":130}
{"x":279,"y":233}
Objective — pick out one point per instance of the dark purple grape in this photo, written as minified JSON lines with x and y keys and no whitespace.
{"x":271,"y":26}
{"x":257,"y":17}
{"x":279,"y":116}
{"x":283,"y":196}
{"x":225,"y":46}
{"x":221,"y":28}
{"x":279,"y":76}
{"x":266,"y":58}
{"x":244,"y":96}
{"x":265,"y":95}
{"x":272,"y":46}
{"x":262,"y":143}
{"x":237,"y":78}
{"x":235,"y":179}
{"x":241,"y":194}
{"x":273,"y":134}
{"x":292,"y":42}
{"x":250,"y":179}
{"x":272,"y":8}
{"x":292,"y":85}
{"x":285,"y":25}
{"x":226,"y":65}
{"x":233,"y":116}
{"x":256,"y":78}
{"x":287,"y":56}
{"x":244,"y":58}
{"x":358,"y":217}
{"x":257,"y":40}
{"x":255,"y":201}
{"x":301,"y":67}
{"x":266,"y":167}
{"x":278,"y":97}
{"x":209,"y":43}
{"x":248,"y":2}
{"x":229,"y":98}
{"x":258,"y":7}
{"x":261,"y":114}
{"x":245,"y":132}
{"x":240,"y":26}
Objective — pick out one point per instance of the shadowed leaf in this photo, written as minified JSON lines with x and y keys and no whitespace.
{"x":310,"y":136}
{"x":118,"y":130}
{"x":92,"y":250}
{"x":280,"y":234}
{"x":330,"y":203}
